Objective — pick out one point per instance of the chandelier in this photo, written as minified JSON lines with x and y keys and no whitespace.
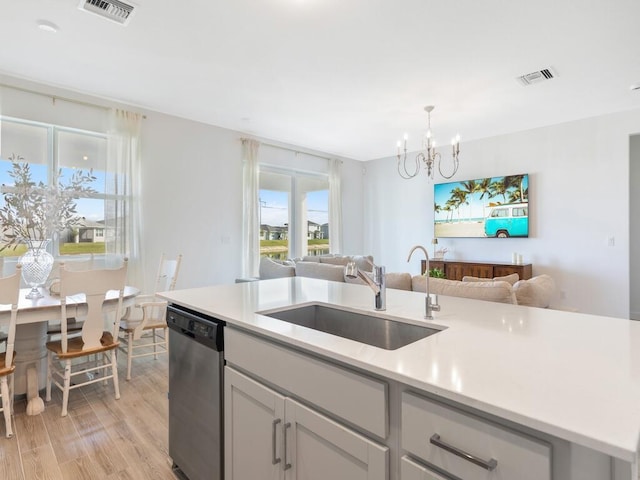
{"x":431,"y":157}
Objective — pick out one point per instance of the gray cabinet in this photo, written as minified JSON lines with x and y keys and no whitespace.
{"x":470,"y":447}
{"x":270,"y":436}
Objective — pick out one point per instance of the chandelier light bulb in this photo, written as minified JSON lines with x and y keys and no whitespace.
{"x":406,"y":136}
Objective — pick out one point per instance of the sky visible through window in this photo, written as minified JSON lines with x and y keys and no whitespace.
{"x":274,"y":207}
{"x":91,"y":209}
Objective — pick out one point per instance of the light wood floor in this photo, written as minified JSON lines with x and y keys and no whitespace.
{"x":101,"y":438}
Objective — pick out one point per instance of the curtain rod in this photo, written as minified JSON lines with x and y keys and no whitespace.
{"x":273,"y":145}
{"x":58,"y":97}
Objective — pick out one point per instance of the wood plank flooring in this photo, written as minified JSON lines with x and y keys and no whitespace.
{"x":101,"y":438}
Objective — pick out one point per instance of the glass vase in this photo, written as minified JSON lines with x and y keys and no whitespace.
{"x":36,"y":266}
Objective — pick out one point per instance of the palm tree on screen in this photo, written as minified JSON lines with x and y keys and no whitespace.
{"x":499,"y":187}
{"x":470,"y":187}
{"x":459,"y":198}
{"x":484,"y":189}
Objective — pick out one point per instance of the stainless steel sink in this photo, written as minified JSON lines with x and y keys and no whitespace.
{"x":376,"y":331}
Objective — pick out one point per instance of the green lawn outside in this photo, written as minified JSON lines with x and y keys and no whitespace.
{"x":79,"y":248}
{"x":65,"y":249}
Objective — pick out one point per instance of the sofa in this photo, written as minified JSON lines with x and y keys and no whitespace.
{"x":325,"y":267}
{"x":535,"y":292}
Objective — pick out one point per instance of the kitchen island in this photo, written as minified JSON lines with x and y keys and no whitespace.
{"x":565,"y":387}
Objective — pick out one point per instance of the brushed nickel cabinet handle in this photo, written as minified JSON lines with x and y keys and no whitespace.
{"x":287,"y":465}
{"x":486,"y":464}
{"x":274,"y":460}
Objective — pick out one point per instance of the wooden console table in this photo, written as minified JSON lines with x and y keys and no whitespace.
{"x":456,"y":269}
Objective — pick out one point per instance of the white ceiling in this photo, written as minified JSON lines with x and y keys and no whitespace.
{"x":347,"y":77}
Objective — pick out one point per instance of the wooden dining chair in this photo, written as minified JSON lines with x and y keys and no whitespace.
{"x":142,"y":333}
{"x":71,"y":262}
{"x":9,"y":296}
{"x":63,"y":354}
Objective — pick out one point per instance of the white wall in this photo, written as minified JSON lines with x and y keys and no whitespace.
{"x":192,"y":195}
{"x":634,"y":225}
{"x":192,"y":183}
{"x":579,"y":197}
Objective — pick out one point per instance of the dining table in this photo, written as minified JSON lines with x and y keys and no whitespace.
{"x":31,"y":335}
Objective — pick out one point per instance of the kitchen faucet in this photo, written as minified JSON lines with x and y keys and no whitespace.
{"x":429,"y":307}
{"x":378,"y":284}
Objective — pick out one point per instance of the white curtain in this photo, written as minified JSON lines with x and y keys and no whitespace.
{"x":251,"y":208}
{"x":335,"y":206}
{"x":123,"y":219}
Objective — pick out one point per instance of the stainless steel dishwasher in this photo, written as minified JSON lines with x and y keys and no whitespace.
{"x":195,"y":394}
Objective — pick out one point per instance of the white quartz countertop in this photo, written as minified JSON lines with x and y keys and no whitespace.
{"x":571,"y":375}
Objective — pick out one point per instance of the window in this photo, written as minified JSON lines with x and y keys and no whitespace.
{"x":51,"y":149}
{"x":294,"y":213}
{"x":519,"y":212}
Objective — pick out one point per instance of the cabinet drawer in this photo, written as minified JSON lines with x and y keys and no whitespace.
{"x":355,"y":398}
{"x":410,"y":470}
{"x":426,"y":423}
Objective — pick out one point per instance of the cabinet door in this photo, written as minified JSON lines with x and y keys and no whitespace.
{"x":317,"y":448}
{"x":254,"y":416}
{"x":478,"y":270}
{"x":454,"y":271}
{"x":523,"y":271}
{"x":410,"y":470}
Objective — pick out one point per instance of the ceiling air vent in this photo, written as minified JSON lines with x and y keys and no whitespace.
{"x":536,"y":77}
{"x":113,"y":10}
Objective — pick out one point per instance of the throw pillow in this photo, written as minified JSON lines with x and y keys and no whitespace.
{"x":271,"y":269}
{"x":320,"y":270}
{"x":535,"y":292}
{"x":335,"y":260}
{"x":398,"y":280}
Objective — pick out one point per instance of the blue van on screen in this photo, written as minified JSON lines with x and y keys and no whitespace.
{"x":507,"y":220}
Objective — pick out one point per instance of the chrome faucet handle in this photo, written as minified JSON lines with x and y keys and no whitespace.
{"x":351,"y":270}
{"x":377,"y":284}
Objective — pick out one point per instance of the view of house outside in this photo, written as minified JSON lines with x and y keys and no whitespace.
{"x":275,"y":223}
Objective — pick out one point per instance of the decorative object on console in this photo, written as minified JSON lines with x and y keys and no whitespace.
{"x":436,"y":273}
{"x":430,"y":157}
{"x":484,"y":207}
{"x":439,"y":253}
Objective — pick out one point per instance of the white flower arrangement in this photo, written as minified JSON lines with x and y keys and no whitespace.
{"x":34,"y":212}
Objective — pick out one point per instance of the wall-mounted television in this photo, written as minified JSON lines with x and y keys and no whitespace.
{"x":484,"y":207}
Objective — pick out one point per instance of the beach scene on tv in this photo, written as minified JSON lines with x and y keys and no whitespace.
{"x":486,"y":207}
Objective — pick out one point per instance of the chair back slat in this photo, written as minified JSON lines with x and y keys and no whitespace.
{"x":10,"y":295}
{"x":94,"y":284}
{"x":167,"y":274}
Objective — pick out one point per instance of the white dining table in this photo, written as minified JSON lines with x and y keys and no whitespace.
{"x":31,"y":336}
